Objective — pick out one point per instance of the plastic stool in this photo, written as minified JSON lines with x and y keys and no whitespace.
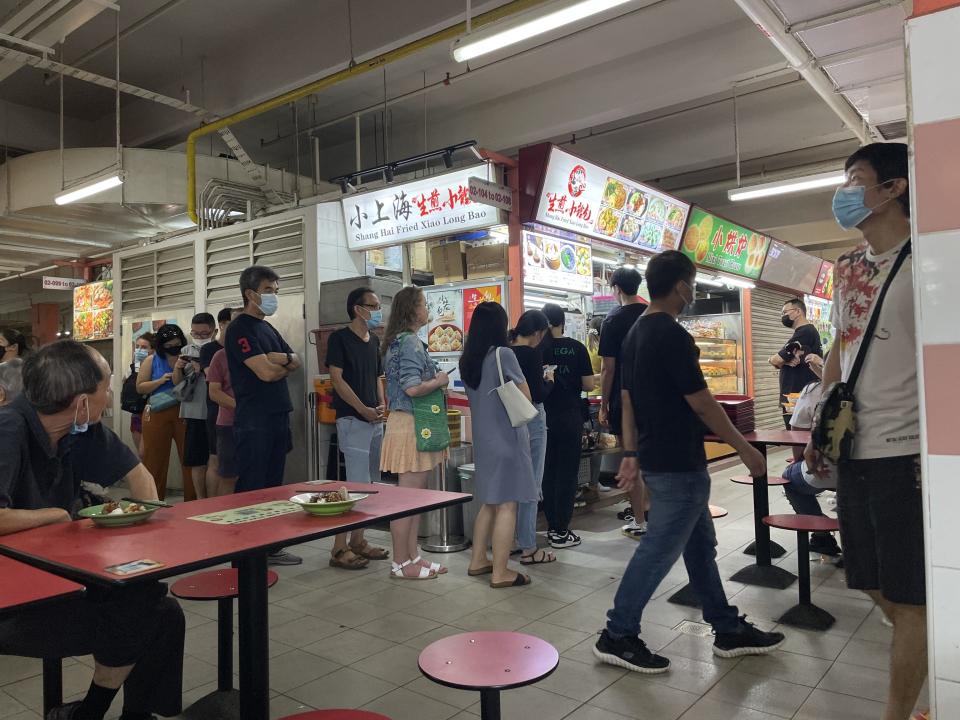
{"x":489,"y":662}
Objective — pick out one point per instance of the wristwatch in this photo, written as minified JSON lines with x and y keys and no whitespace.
{"x":630,"y":453}
{"x":289,"y":359}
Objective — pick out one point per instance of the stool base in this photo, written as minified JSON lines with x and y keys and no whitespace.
{"x":448,"y":544}
{"x":807,"y":617}
{"x":768,"y":576}
{"x":776,"y":550}
{"x":489,"y":705}
{"x":685,"y":596}
{"x":218,"y":705}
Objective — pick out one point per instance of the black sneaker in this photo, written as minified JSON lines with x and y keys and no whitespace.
{"x":561,"y":540}
{"x":823,"y":543}
{"x":746,"y":641}
{"x":63,"y":712}
{"x":626,"y":514}
{"x":630,"y":653}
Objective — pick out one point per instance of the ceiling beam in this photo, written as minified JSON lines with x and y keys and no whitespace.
{"x":31,"y":250}
{"x":858,"y":53}
{"x":4,"y":232}
{"x":835,"y":17}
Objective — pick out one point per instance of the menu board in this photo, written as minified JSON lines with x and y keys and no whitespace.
{"x":591,"y":200}
{"x":824,"y":287}
{"x":713,"y":242}
{"x":93,"y":311}
{"x":791,"y":268}
{"x":450,"y":309}
{"x":554,"y":262}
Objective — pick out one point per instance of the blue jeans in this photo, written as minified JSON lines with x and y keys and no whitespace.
{"x":802,"y":496}
{"x":527,"y":511}
{"x":360,"y":442}
{"x":679,"y":523}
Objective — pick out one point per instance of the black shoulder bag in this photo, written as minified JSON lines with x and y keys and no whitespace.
{"x":837,"y":418}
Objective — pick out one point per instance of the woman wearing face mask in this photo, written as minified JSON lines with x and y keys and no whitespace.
{"x":142,"y":347}
{"x":525,"y":340}
{"x":13,"y":344}
{"x":161,"y":421}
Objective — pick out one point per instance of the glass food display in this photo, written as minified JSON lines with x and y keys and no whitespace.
{"x":719,"y":339}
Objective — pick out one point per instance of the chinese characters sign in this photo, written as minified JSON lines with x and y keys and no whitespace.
{"x":713,"y":242}
{"x":791,"y":268}
{"x":824,"y":287}
{"x":590,"y":200}
{"x":431,"y":207}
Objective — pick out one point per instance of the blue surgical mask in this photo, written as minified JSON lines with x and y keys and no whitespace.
{"x":375,"y":320}
{"x":78,"y":427}
{"x":269,"y":303}
{"x":849,"y":207}
{"x":140,"y":355}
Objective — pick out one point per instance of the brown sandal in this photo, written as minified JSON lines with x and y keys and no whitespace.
{"x":370,"y":552}
{"x":543,"y":555}
{"x":356,"y":562}
{"x":518,"y":581}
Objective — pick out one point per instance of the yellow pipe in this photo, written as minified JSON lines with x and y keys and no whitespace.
{"x":360,"y":68}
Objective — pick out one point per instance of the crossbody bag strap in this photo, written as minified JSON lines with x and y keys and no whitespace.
{"x":499,"y":366}
{"x":875,"y":317}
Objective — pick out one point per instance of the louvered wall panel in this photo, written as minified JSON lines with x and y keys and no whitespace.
{"x":226,"y":258}
{"x":137,"y":276}
{"x":281,"y":247}
{"x":768,"y":336}
{"x":175,"y":277}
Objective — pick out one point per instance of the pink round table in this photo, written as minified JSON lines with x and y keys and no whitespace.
{"x":489,"y":662}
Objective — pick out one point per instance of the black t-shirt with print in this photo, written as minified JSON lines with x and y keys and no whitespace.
{"x":248,"y":337}
{"x":795,"y":379}
{"x":573,"y":362}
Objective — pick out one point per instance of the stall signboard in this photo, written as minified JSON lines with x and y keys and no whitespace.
{"x":93,"y":311}
{"x":713,"y":242}
{"x":407,"y":212}
{"x":61,"y":283}
{"x":590,"y":200}
{"x":824,"y":287}
{"x":450,"y":308}
{"x":557,"y":263}
{"x":490,"y":193}
{"x":788,"y":267}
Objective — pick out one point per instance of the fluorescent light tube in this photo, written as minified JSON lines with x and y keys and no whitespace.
{"x":709,"y":281}
{"x":93,"y":187}
{"x":513,"y":30}
{"x":605,"y":261}
{"x":735,"y":282}
{"x":808,"y":182}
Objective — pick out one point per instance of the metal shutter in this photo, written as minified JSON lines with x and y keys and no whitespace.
{"x":767,"y":336}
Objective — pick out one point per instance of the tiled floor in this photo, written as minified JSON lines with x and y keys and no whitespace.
{"x":351,"y":639}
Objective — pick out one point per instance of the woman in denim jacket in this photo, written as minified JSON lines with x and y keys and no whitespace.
{"x":410,"y":373}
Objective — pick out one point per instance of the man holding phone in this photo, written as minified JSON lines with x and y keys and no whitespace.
{"x":795,"y":373}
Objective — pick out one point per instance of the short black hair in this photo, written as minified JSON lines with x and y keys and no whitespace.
{"x":627,"y":279}
{"x":15,"y":337}
{"x":665,"y":270}
{"x":355,"y":298}
{"x":798,"y":304}
{"x":224,"y":315}
{"x":203,"y":318}
{"x":251,"y":278}
{"x":532,"y":321}
{"x":55,"y":374}
{"x":890,"y":161}
{"x":555,"y":315}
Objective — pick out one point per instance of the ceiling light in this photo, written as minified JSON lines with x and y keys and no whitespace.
{"x":737,"y":283}
{"x":605,"y":261}
{"x":97,"y":185}
{"x":807,"y":182}
{"x":702,"y":280}
{"x":526,"y":25}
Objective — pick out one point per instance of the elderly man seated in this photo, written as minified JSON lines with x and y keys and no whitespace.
{"x":51,"y":441}
{"x":11,"y":381}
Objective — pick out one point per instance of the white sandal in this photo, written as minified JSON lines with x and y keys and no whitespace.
{"x":425,"y":573}
{"x":434,"y":567}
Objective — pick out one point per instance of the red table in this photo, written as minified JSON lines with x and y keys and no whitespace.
{"x":80,"y":551}
{"x":23,"y":587}
{"x":763,"y":572}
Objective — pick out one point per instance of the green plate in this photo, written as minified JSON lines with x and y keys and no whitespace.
{"x":337,"y":508}
{"x":95,"y":513}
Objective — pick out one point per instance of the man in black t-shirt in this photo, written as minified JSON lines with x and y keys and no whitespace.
{"x":666,"y":405}
{"x":353,"y":357}
{"x":573,"y":374}
{"x":791,"y":360}
{"x":260,"y":362}
{"x":625,"y":283}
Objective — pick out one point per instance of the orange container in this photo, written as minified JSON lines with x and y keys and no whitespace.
{"x":326,"y":414}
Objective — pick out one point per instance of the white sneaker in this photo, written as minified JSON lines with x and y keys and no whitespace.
{"x":634,"y":530}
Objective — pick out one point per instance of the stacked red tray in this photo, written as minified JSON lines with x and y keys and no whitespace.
{"x":740,"y":410}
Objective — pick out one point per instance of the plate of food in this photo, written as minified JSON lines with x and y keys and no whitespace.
{"x":445,"y":338}
{"x":103,"y":323}
{"x":614,"y":193}
{"x":670,"y":240}
{"x":583,"y":261}
{"x":657,"y":209}
{"x":551,"y":255}
{"x":675,"y":217}
{"x":568,"y":258}
{"x":83,"y":325}
{"x":330,"y":502}
{"x":636,"y":203}
{"x":607,"y":221}
{"x":651,"y":235}
{"x":629,"y":229}
{"x":102,"y":296}
{"x":118,"y":514}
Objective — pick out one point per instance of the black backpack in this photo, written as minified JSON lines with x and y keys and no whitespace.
{"x":130,"y":400}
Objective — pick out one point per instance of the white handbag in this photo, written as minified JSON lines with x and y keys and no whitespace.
{"x":519,"y":409}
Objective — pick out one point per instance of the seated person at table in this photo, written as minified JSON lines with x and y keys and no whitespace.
{"x":51,"y":441}
{"x":804,"y":485}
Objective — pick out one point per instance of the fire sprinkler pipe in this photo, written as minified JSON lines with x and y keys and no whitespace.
{"x":800,"y":60}
{"x":353,"y":70}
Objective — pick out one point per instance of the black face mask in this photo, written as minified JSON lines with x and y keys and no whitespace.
{"x":173,"y":351}
{"x":787,"y":322}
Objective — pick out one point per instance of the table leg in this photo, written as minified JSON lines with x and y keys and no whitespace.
{"x":489,"y":705}
{"x":254,"y":657}
{"x":225,"y":644}
{"x":52,"y":684}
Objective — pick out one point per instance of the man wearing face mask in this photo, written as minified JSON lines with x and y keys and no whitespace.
{"x":879,"y":500}
{"x":260,"y":361}
{"x":795,"y":374}
{"x":51,"y":441}
{"x":353,"y":357}
{"x":196,"y":454}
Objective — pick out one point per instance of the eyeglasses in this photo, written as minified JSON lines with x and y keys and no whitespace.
{"x":370,"y":307}
{"x":201,"y":336}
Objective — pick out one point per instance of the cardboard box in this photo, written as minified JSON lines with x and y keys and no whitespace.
{"x":449,"y":262}
{"x":487,"y":261}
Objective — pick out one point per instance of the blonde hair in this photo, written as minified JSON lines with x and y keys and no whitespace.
{"x":403,"y":314}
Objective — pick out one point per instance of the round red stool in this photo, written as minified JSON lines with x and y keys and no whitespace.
{"x":805,"y":614}
{"x":337,"y":715}
{"x":747,"y":480}
{"x":489,"y":662}
{"x":219,"y":585}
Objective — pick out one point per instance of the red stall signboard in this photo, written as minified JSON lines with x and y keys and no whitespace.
{"x":824,"y":287}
